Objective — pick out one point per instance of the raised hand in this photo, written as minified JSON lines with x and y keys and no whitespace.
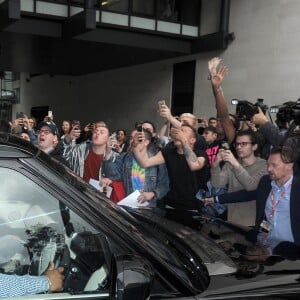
{"x":216,"y":71}
{"x":260,"y":118}
{"x":212,"y":66}
{"x":217,"y":79}
{"x":164,"y":112}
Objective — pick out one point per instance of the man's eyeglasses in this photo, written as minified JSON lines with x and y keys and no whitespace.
{"x":45,"y":131}
{"x":242,"y":144}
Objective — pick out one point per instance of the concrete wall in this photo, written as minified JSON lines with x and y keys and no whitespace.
{"x":263,"y":61}
{"x":119,"y":97}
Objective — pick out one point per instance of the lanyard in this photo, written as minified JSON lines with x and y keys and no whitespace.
{"x":275,"y":203}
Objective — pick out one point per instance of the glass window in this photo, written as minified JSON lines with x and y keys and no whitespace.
{"x":37,"y":228}
{"x":167,"y":10}
{"x":143,"y":7}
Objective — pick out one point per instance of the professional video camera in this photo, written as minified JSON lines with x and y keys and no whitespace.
{"x":287,"y":112}
{"x":245,"y":110}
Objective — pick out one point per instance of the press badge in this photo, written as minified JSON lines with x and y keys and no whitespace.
{"x":265,"y":226}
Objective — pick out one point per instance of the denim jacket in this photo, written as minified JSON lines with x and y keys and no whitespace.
{"x":156,"y":178}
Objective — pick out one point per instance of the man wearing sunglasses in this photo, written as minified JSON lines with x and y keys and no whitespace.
{"x":243,"y":172}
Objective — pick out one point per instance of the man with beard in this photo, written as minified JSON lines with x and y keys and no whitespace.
{"x":277,"y":223}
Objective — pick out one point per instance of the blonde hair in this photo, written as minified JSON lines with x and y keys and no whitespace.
{"x":100,"y":124}
{"x":190,"y":116}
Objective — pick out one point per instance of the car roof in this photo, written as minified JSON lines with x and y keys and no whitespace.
{"x":13,"y":146}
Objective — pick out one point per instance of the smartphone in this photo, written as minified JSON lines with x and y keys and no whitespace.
{"x":50,"y":114}
{"x":225,"y":146}
{"x":139,"y":128}
{"x":161,"y":103}
{"x":76,"y":124}
{"x":91,"y":125}
{"x":113,"y":140}
{"x":20,"y":115}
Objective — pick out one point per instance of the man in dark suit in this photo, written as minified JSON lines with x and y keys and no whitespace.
{"x":277,"y":226}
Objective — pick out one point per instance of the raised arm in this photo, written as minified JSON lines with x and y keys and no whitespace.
{"x":141,"y":155}
{"x":165,"y":112}
{"x":269,"y":131}
{"x":217,"y":74}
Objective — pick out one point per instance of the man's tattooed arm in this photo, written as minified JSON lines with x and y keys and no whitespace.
{"x":194,"y":162}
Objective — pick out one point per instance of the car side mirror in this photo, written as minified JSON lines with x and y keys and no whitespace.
{"x":133,"y":277}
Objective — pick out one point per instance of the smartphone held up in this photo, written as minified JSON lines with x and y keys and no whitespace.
{"x":113,"y":140}
{"x":76,"y":124}
{"x":139,"y":130}
{"x":161,"y":104}
{"x":20,"y":118}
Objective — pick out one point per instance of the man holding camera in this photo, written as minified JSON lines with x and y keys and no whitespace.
{"x":243,"y":172}
{"x":272,"y":133}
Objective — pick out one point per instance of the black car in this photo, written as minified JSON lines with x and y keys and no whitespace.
{"x":112,"y":252}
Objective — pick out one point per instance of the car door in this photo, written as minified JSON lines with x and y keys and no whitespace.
{"x":36,"y":227}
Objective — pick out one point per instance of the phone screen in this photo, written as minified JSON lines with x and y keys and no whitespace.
{"x":161,"y":103}
{"x":139,"y":128}
{"x":20,"y":115}
{"x":76,"y":124}
{"x":225,"y":146}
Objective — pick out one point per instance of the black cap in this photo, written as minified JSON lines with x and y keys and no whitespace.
{"x":51,"y":126}
{"x":210,"y":128}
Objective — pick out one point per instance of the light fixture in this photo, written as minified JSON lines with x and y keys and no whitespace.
{"x":109,"y":2}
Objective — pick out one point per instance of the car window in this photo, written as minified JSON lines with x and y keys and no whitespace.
{"x":36,"y":228}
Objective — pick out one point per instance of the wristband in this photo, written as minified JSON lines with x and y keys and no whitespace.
{"x":219,"y":90}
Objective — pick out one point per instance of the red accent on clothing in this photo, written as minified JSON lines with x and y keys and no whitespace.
{"x":212,"y":153}
{"x":118,"y":192}
{"x":92,"y":166}
{"x":275,"y":203}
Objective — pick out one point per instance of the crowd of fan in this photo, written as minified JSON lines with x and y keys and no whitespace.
{"x":188,"y":165}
